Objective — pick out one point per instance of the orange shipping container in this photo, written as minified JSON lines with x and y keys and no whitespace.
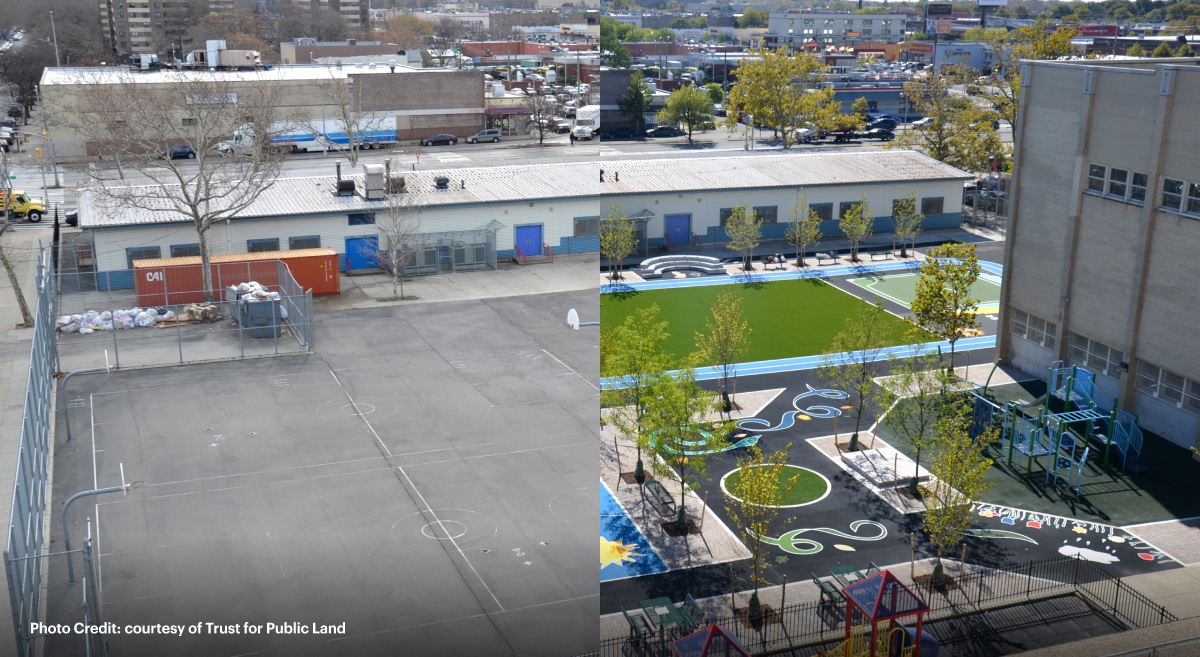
{"x":175,"y":281}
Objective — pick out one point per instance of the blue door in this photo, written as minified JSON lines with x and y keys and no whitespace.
{"x":529,"y":238}
{"x":362,"y":252}
{"x":677,"y":229}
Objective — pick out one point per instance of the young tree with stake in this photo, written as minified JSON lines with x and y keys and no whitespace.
{"x":856,"y":224}
{"x":618,"y":238}
{"x":959,"y":467}
{"x":634,"y":358}
{"x":744,"y":229}
{"x":399,"y":229}
{"x":727,"y":339}
{"x":804,"y":229}
{"x":754,"y":502}
{"x":851,"y":364}
{"x":943,"y":302}
{"x":907,"y":222}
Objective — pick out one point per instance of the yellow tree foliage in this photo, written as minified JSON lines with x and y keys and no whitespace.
{"x":754,"y":501}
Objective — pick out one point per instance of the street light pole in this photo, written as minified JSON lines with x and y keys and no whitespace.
{"x":54,"y":34}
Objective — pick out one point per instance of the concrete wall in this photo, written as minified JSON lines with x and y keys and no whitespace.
{"x":1110,"y":269}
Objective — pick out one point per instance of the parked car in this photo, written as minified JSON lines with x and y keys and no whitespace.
{"x":443,"y":138}
{"x":886,"y":124}
{"x":492,"y":135}
{"x":922,"y":122}
{"x":882,"y":134}
{"x":620,"y":134}
{"x":665,"y":131}
{"x":180,"y":152}
{"x":72,"y":218}
{"x":16,"y":111}
{"x":562,"y":125}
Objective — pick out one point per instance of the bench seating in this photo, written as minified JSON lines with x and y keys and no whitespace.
{"x":660,"y":494}
{"x":656,"y":267}
{"x":694,"y":613}
{"x":639,"y":627}
{"x":829,"y":592}
{"x":827,"y":258}
{"x":880,"y":254}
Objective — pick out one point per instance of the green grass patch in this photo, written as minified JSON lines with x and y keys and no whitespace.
{"x":902,"y":288}
{"x":787,"y":318}
{"x":809,"y":486}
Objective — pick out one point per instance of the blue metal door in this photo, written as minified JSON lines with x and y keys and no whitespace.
{"x":529,"y":238}
{"x":677,"y":229}
{"x":362,"y":252}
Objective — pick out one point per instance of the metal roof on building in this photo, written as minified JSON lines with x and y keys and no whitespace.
{"x":308,"y":196}
{"x":270,"y":73}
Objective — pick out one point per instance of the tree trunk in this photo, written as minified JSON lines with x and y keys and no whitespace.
{"x":26,"y":318}
{"x":205,"y":265}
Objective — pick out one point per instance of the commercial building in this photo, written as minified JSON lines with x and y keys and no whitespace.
{"x":798,"y":29}
{"x":687,"y":200}
{"x":311,"y":51}
{"x":1100,"y":264}
{"x":423,"y":102}
{"x":465,"y":219}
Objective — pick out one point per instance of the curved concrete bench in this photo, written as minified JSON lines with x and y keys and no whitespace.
{"x":656,"y":267}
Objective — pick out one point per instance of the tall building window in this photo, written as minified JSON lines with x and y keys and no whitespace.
{"x":932,"y":205}
{"x":1116,"y":183}
{"x":1033,"y":329}
{"x":1169,"y":387}
{"x":1172,"y":196}
{"x":1137,"y":188}
{"x":1094,"y":355}
{"x":1193,"y":198}
{"x":1096,"y":174}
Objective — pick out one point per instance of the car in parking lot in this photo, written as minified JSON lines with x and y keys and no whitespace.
{"x":491,"y":134}
{"x":665,"y":131}
{"x":886,"y":124}
{"x":923,"y":122}
{"x":180,"y":152}
{"x":439,"y":139}
{"x":881,"y":134}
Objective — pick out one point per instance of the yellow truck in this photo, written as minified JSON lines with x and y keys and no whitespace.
{"x":23,"y":205}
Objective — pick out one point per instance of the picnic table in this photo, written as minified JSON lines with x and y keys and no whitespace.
{"x":663,"y":613}
{"x":847,"y":575}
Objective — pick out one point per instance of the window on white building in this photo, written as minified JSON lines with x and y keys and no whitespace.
{"x":1172,"y":196}
{"x":1033,"y":329}
{"x":1169,"y":387}
{"x":1095,"y":356}
{"x":1096,"y":175}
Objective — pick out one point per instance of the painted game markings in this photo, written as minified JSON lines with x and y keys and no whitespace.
{"x":807,"y":413}
{"x":624,"y":550}
{"x":1093,"y":541}
{"x":792,"y":542}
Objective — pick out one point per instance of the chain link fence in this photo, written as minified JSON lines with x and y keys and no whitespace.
{"x":23,"y":563}
{"x":101,"y":327}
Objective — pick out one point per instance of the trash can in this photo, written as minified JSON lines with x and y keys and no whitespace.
{"x":261,"y":317}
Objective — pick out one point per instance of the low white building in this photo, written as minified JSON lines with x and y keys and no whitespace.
{"x":467,"y":219}
{"x":683,"y":201}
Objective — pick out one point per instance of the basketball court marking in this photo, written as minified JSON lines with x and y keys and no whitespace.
{"x":898,"y":289}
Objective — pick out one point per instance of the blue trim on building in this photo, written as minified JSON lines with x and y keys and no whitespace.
{"x":121,"y":279}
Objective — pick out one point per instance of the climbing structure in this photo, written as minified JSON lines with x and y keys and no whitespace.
{"x":711,"y":641}
{"x":872,"y":608}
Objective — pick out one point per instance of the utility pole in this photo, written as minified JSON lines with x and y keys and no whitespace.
{"x":54,"y":34}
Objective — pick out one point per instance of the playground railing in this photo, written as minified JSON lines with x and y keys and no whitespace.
{"x":813,"y":623}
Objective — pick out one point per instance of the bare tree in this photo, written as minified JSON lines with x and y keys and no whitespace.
{"x":344,"y":99}
{"x":135,"y":122}
{"x":21,"y":69}
{"x":26,"y":317}
{"x":399,"y":229}
{"x":541,"y":115}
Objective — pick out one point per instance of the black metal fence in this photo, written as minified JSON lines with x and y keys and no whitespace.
{"x":814,"y":623}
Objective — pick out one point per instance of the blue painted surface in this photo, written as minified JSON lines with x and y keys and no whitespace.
{"x":121,"y":279}
{"x":361,"y":252}
{"x":677,"y":228}
{"x":529,"y":238}
{"x":578,"y":245}
{"x":616,"y":526}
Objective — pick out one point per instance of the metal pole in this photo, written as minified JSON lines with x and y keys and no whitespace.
{"x":66,"y":529}
{"x":54,"y":34}
{"x":65,"y":405}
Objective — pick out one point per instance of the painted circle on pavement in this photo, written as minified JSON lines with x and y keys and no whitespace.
{"x":807,"y":478}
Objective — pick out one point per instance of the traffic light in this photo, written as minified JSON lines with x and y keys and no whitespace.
{"x":38,"y":150}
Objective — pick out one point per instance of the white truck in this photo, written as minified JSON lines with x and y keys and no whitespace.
{"x":374,"y":131}
{"x":587,"y":122}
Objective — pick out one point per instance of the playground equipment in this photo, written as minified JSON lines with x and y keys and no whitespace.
{"x":711,"y":641}
{"x":873,"y":601}
{"x":1048,"y":435}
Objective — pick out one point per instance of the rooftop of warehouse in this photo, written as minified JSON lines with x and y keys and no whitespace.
{"x":294,"y":197}
{"x":298,"y":72}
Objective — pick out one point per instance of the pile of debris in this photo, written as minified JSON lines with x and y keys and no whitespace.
{"x":92,"y":321}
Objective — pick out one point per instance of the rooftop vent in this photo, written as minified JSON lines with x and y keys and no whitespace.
{"x":345,"y":187}
{"x":442,"y":183}
{"x":375,"y":191}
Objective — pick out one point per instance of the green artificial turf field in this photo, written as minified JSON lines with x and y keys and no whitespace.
{"x":787,"y":318}
{"x":808,"y":487}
